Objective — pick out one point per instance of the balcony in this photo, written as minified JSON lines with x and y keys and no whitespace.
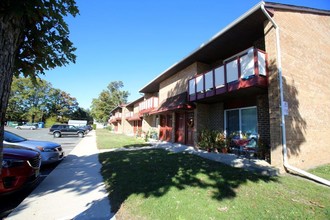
{"x":148,"y":105}
{"x":131,"y":116}
{"x":116,"y":117}
{"x":244,"y":70}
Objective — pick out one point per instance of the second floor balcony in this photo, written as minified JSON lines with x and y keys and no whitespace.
{"x":148,"y":105}
{"x":131,"y":116}
{"x":115,"y":117}
{"x":244,"y":70}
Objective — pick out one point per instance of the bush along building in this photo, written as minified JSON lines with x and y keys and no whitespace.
{"x":265,"y":75}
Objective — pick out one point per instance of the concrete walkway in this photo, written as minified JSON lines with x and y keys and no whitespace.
{"x":73,"y":190}
{"x":254,"y":165}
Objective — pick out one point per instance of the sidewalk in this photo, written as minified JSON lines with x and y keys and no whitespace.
{"x":254,"y":165}
{"x":73,"y":190}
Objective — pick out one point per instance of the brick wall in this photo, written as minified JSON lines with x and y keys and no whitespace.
{"x":305,"y":47}
{"x":202,"y":118}
{"x":263,"y":118}
{"x":208,"y":116}
{"x":216,"y":115}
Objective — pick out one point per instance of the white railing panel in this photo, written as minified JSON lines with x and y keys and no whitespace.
{"x":262,"y":63}
{"x":219,"y":75}
{"x":155,"y":102}
{"x":199,"y":82}
{"x":192,"y":86}
{"x":247,"y":66}
{"x":232,"y":71}
{"x":208,"y":80}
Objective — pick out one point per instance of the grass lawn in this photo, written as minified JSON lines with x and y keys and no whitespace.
{"x":107,"y":140}
{"x":156,"y":184}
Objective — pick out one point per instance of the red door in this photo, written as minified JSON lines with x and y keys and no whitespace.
{"x":165,"y":133}
{"x":137,"y":125}
{"x":169,"y":121}
{"x":162,"y":130}
{"x":180,"y":128}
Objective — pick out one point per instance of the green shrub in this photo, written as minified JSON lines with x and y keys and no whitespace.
{"x":212,"y":140}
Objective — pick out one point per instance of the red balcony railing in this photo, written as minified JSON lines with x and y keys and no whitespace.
{"x":129,"y":114}
{"x":246,"y":69}
{"x":148,"y":105}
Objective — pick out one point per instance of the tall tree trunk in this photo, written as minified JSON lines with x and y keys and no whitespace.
{"x":11,"y":29}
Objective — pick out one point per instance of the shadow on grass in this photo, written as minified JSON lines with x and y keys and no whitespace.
{"x":137,"y":145}
{"x":154,"y":172}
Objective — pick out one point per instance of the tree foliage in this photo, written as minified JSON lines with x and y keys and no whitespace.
{"x":33,"y":38}
{"x":108,"y":99}
{"x":28,"y":99}
{"x":38,"y":101}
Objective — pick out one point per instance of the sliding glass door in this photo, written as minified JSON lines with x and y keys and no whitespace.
{"x":241,"y":121}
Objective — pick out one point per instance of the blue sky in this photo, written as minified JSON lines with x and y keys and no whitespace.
{"x":136,"y":40}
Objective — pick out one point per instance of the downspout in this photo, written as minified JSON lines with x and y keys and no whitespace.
{"x":279,"y":67}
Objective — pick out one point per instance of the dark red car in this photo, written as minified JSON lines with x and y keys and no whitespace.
{"x":20,"y":167}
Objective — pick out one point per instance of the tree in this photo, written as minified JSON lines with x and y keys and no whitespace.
{"x":38,"y":101}
{"x":33,"y":38}
{"x":28,"y":98}
{"x":108,"y":100}
{"x":82,"y":114}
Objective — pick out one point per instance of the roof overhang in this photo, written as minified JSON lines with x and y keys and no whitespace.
{"x":177,"y":102}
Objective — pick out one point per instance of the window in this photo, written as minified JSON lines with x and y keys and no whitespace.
{"x":241,"y":120}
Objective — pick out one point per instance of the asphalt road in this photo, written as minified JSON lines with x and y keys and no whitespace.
{"x":10,"y":202}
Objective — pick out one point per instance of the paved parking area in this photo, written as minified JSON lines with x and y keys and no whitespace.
{"x":67,"y":142}
{"x":10,"y":202}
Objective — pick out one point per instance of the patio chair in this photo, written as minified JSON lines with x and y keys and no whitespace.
{"x":245,"y":147}
{"x":251,"y":148}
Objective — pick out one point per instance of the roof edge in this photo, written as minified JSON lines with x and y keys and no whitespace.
{"x":296,"y":8}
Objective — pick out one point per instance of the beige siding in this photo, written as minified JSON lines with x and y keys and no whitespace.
{"x":178,"y":83}
{"x":305,"y":47}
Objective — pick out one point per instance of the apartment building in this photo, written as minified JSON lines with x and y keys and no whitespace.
{"x":266,"y":74}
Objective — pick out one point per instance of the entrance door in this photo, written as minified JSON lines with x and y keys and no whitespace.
{"x":180,"y":128}
{"x":165,"y":133}
{"x":137,"y":125}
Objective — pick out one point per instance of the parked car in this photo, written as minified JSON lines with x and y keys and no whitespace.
{"x":59,"y":130}
{"x":87,"y":128}
{"x":20,"y":168}
{"x":50,"y":152}
{"x":27,"y":126}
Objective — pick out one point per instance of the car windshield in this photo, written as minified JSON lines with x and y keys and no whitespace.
{"x":12,"y":138}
